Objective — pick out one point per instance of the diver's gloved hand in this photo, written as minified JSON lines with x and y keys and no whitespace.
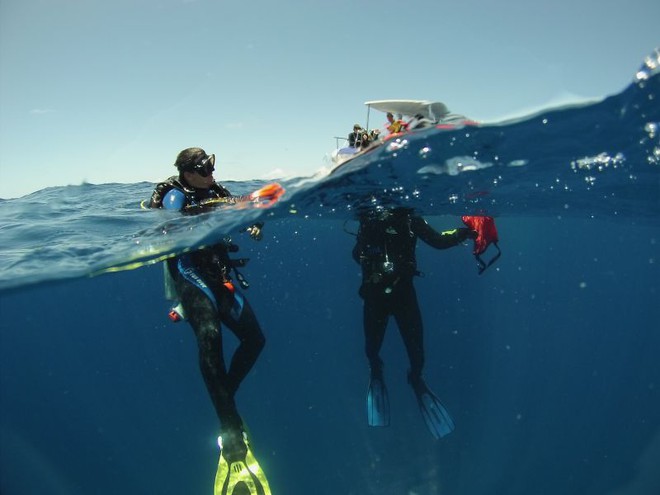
{"x":255,"y":231}
{"x":464,"y":234}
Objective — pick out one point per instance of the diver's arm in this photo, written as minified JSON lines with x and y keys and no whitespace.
{"x":440,"y":240}
{"x":261,"y":198}
{"x":175,"y":199}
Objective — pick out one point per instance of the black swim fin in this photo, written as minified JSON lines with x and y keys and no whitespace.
{"x":378,"y":403}
{"x":435,"y":415}
{"x":238,"y":472}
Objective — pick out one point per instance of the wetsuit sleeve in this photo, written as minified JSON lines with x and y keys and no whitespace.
{"x":440,"y":240}
{"x":174,"y":200}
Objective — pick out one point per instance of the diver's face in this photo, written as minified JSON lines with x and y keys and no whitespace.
{"x":199,"y":181}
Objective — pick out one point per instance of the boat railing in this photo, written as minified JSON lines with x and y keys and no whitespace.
{"x":339,"y":139}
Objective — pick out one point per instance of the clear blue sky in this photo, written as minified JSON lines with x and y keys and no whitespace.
{"x":111,"y":90}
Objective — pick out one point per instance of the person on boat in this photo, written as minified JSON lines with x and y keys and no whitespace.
{"x":419,"y":122}
{"x":355,"y":138}
{"x":209,"y":298}
{"x":369,"y":139}
{"x":394,"y":126}
{"x":385,"y":249}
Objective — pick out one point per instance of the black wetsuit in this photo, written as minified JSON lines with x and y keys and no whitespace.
{"x":204,"y":286}
{"x":385,"y":249}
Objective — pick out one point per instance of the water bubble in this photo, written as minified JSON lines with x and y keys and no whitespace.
{"x":599,"y":162}
{"x":424,"y":152}
{"x":651,"y":128}
{"x":396,"y":145}
{"x":654,"y":159}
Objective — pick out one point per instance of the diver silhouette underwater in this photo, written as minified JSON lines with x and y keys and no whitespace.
{"x":385,"y":249}
{"x":202,"y":282}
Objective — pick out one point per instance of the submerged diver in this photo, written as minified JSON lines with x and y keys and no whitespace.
{"x":385,"y":249}
{"x":207,"y":294}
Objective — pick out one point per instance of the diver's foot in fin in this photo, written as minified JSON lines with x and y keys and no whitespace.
{"x":435,"y":415}
{"x":378,"y":403}
{"x":233,"y":445}
{"x":238,"y":472}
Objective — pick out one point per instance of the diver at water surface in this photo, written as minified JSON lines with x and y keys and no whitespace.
{"x":385,"y":249}
{"x":204,"y":284}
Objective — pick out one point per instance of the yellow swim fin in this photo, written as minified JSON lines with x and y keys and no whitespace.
{"x":240,"y":477}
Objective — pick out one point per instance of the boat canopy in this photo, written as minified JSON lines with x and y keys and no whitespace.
{"x":432,"y":110}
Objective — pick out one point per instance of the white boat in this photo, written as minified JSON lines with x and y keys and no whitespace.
{"x":415,"y":114}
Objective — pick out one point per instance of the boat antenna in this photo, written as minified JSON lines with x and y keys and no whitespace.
{"x":368,"y":110}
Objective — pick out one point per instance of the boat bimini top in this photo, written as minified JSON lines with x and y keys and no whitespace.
{"x":420,"y":113}
{"x":432,"y":110}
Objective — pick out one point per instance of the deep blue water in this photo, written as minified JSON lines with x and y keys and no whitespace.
{"x":547,"y":362}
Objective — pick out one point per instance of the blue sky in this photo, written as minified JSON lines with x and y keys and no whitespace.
{"x":110,"y":91}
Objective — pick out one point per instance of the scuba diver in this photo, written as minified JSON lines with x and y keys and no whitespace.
{"x":385,"y":250}
{"x":208,"y":298}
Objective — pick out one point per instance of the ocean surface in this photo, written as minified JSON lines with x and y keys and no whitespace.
{"x":548,"y":361}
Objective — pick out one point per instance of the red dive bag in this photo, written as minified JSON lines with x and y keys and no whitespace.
{"x":486,"y":235}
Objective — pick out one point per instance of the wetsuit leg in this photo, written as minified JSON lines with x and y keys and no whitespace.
{"x":409,"y":320}
{"x":237,"y":314}
{"x":376,"y":315}
{"x":205,"y":322}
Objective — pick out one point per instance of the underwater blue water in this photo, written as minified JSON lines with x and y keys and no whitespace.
{"x":548,"y":362}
